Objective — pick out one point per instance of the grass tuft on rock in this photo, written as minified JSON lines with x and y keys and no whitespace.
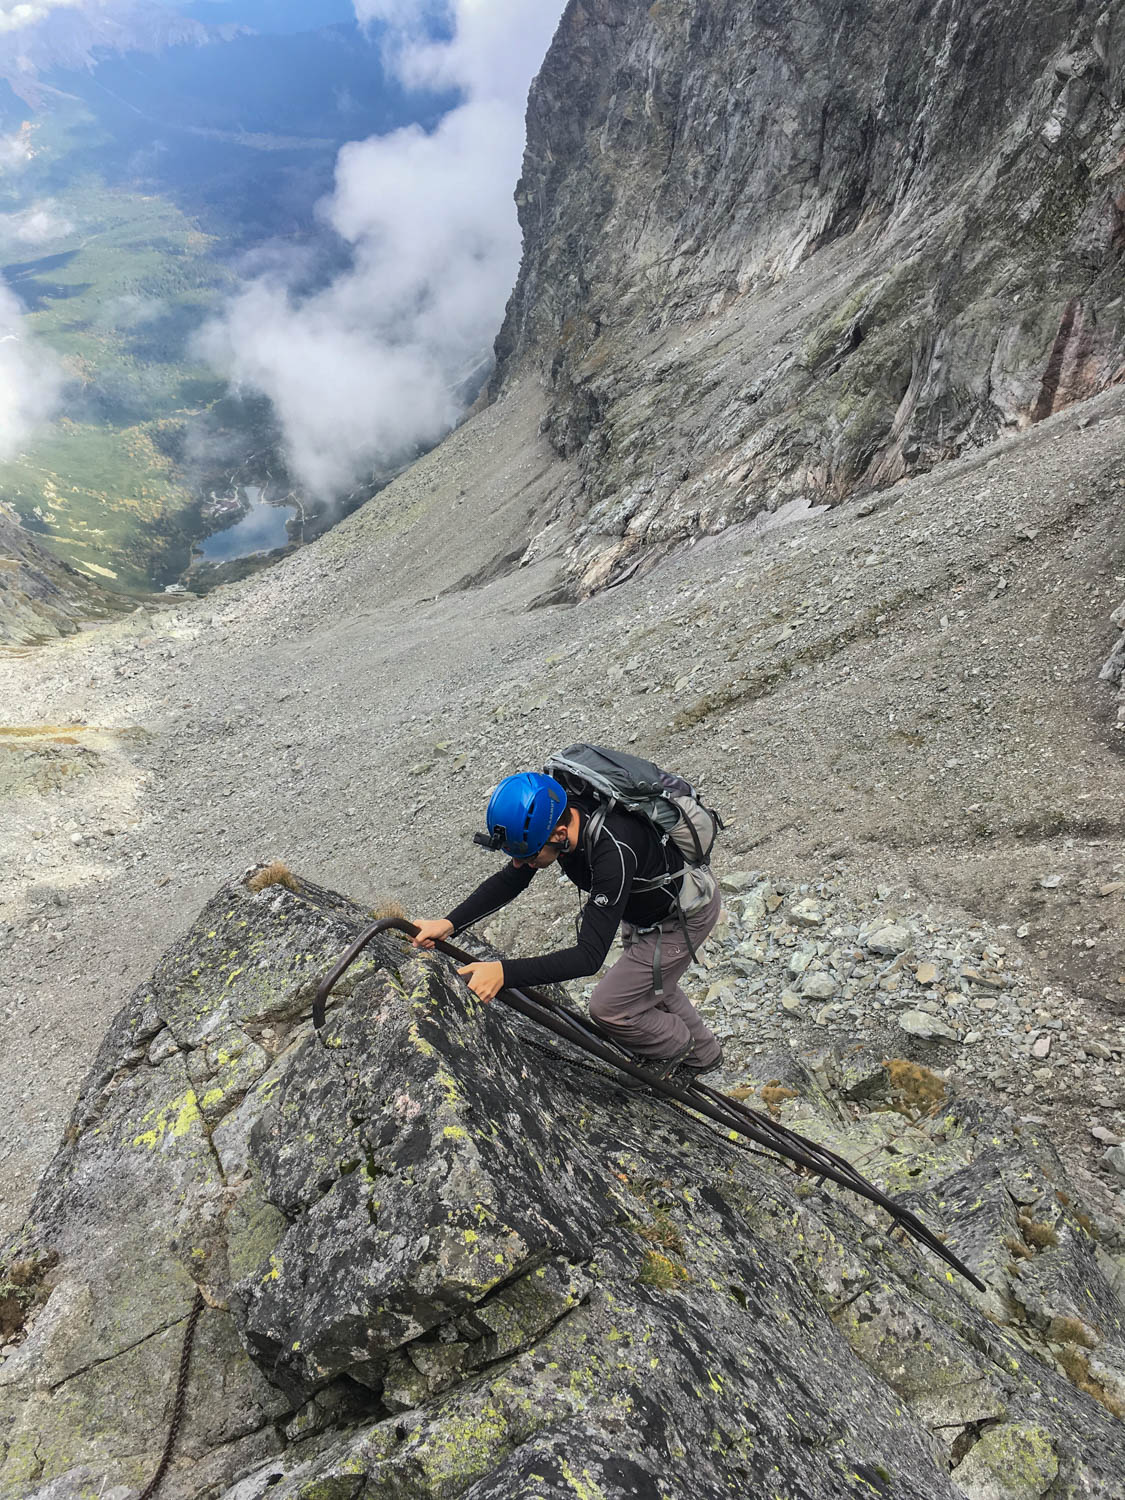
{"x":1073,"y":1331}
{"x":1076,"y":1364}
{"x":774,"y":1095}
{"x":274,"y":873}
{"x":1038,"y":1234}
{"x":914,"y":1089}
{"x":390,"y":911}
{"x":663,"y":1232}
{"x":661,"y":1272}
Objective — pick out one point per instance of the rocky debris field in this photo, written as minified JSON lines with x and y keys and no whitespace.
{"x":434,"y":1260}
{"x":806,"y":965}
{"x":901,"y":693}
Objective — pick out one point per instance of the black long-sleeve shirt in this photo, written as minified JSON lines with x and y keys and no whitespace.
{"x":628,"y":849}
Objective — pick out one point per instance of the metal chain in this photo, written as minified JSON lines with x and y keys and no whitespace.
{"x":672,"y":1104}
{"x":560,"y":1056}
{"x":178,"y":1405}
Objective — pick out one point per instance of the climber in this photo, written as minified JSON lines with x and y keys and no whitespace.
{"x":633,"y":879}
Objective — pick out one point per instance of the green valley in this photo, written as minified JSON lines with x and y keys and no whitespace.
{"x":118,"y":303}
{"x":122,"y":228}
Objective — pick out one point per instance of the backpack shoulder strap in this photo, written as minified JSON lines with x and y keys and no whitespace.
{"x":595,"y":821}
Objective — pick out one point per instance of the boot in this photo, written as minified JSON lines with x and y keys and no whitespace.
{"x":658,"y":1069}
{"x":696,"y":1070}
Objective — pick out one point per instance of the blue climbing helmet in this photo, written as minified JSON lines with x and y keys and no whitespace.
{"x":523,"y":811}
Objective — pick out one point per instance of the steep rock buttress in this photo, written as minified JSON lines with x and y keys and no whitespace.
{"x":440,"y":1257}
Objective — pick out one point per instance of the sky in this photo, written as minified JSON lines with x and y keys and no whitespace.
{"x":363,"y":372}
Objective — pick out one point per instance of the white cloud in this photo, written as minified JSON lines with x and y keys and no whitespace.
{"x":365,"y":370}
{"x":494,"y":52}
{"x":38,"y":225}
{"x":30,"y":379}
{"x":132,"y":311}
{"x":28,"y":12}
{"x":15,"y":151}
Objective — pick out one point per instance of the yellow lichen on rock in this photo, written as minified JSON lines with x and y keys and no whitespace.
{"x":171,"y":1122}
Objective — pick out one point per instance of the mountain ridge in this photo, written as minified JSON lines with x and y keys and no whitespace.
{"x":72,"y":38}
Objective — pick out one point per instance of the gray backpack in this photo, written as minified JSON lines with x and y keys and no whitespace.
{"x":616,"y":779}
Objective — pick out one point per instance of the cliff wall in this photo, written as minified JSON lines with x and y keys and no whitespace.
{"x":793,"y":249}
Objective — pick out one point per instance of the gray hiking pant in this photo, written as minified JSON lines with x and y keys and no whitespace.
{"x":625,"y":1001}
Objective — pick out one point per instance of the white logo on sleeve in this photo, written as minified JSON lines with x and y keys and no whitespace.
{"x":602,"y":900}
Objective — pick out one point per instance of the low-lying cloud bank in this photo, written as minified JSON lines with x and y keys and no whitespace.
{"x":39,"y":224}
{"x":366,"y":370}
{"x":30,"y":378}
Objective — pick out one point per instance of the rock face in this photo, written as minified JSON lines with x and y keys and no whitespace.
{"x":441,"y":1256}
{"x":1113,"y":670}
{"x":40,"y":596}
{"x":779,"y":252}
